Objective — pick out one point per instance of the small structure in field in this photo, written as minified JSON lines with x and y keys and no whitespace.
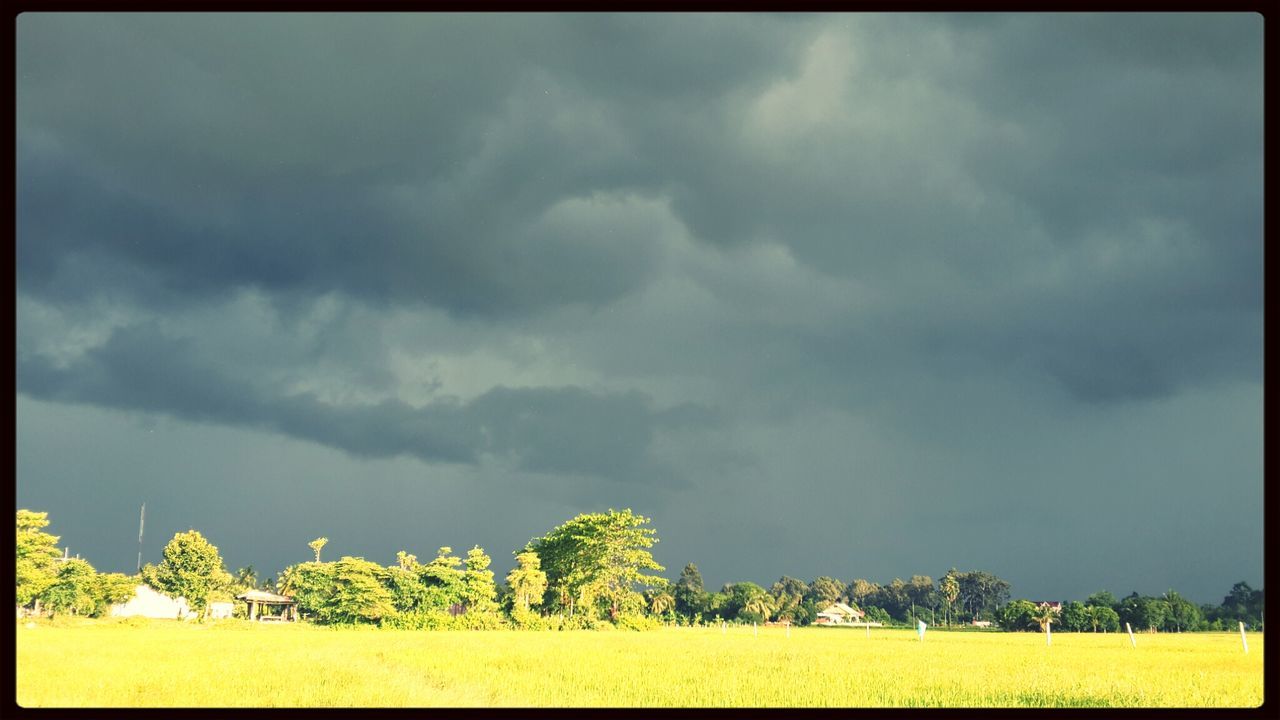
{"x":147,"y":602}
{"x":839,"y":614}
{"x":267,"y":607}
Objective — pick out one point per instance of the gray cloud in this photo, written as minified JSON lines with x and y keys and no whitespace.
{"x":639,"y":256}
{"x":547,"y":430}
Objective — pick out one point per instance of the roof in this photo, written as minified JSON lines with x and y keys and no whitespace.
{"x":840,"y":609}
{"x":264,"y":596}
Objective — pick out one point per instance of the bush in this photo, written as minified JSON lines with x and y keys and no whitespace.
{"x":525,"y":619}
{"x":583,"y":622}
{"x":482,"y":621}
{"x":632,"y":621}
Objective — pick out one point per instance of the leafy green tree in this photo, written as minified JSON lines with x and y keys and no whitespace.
{"x":598,"y":555}
{"x":805,"y":613}
{"x":981,"y":592}
{"x":1075,"y":617}
{"x":190,"y":567}
{"x":825,"y":590}
{"x":877,"y":614}
{"x":1242,"y":604}
{"x":691,"y":597}
{"x":37,"y":553}
{"x":358,"y":594}
{"x":74,"y":588}
{"x":443,"y":579}
{"x":862,"y":593}
{"x":310,"y":584}
{"x":317,"y":544}
{"x":788,"y":596}
{"x":408,"y":594}
{"x":921,"y":594}
{"x":1018,"y":615}
{"x":717,"y":605}
{"x":1102,"y":598}
{"x":479,"y":594}
{"x":1183,"y":615}
{"x":527,"y":580}
{"x":894,"y":599}
{"x":111,"y":589}
{"x":1101,"y":616}
{"x":748,"y":602}
{"x":1141,"y":612}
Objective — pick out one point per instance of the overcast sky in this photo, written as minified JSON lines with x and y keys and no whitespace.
{"x":850,"y":295}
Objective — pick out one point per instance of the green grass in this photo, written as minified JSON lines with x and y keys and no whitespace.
{"x":235,"y":663}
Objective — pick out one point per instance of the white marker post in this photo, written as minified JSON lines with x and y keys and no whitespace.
{"x":723,"y":627}
{"x":1131,"y":640}
{"x":1244,"y":642}
{"x":788,"y":629}
{"x":920,"y":629}
{"x":1048,"y":634}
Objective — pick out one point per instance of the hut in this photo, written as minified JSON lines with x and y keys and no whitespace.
{"x":267,"y":607}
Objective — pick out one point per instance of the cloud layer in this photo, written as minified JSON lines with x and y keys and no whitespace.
{"x":607,"y":257}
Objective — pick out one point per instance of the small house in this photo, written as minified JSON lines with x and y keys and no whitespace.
{"x":147,"y":602}
{"x":838,"y":614}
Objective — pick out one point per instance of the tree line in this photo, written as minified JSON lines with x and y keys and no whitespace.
{"x":594,"y":570}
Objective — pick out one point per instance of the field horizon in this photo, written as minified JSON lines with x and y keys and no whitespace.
{"x":105,"y":663}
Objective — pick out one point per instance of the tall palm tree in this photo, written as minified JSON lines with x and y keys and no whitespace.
{"x":288,"y":581}
{"x":1045,"y":614}
{"x":661,"y":602}
{"x":950,"y":588}
{"x":317,"y":544}
{"x":762,"y":605}
{"x":247,"y":578}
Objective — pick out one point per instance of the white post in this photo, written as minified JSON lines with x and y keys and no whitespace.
{"x":1244,"y":642}
{"x":1131,"y":640}
{"x":788,"y":629}
{"x":1048,"y":633}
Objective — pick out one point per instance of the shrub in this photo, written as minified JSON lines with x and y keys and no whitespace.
{"x":481,"y":621}
{"x":631,"y":621}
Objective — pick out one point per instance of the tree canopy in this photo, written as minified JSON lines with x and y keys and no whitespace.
{"x":190,"y":568}
{"x":598,"y":557}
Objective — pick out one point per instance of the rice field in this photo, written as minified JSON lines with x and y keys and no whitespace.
{"x":238,"y":664}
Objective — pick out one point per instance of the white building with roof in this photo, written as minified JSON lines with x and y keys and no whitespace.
{"x":147,"y":602}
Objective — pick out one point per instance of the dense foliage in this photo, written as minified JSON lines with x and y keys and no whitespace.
{"x":594,"y":571}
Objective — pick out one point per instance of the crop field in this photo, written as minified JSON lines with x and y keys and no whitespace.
{"x":236,"y":663}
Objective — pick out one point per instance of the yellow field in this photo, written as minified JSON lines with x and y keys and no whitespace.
{"x":235,"y":663}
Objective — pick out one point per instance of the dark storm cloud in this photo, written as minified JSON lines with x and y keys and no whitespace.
{"x":713,"y":256}
{"x":542,"y":430}
{"x":283,"y":154}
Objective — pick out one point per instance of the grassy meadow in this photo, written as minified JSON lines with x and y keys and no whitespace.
{"x":113,"y":663}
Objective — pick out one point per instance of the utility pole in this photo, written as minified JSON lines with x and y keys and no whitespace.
{"x":142,"y":516}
